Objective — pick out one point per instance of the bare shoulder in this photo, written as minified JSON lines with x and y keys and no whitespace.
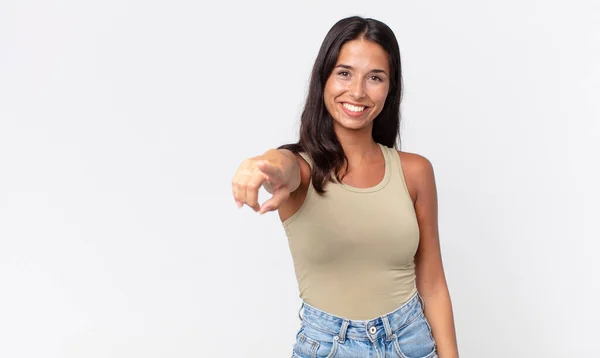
{"x":418,"y":173}
{"x":415,"y":163}
{"x":290,"y":206}
{"x":304,"y":171}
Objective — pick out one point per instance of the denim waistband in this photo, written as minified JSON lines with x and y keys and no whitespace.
{"x":385,"y":325}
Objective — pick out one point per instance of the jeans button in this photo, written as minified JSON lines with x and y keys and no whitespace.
{"x":373,"y":330}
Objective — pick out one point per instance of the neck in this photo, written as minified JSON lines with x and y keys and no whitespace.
{"x":358,"y":146}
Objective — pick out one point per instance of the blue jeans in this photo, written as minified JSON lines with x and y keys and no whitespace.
{"x":404,"y":333}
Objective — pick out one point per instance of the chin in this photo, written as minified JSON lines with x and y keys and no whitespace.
{"x":352,"y":124}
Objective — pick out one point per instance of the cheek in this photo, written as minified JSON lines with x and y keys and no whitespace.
{"x":379,"y":95}
{"x":332,"y":90}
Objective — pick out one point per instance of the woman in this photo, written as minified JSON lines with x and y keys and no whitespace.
{"x":361,"y":217}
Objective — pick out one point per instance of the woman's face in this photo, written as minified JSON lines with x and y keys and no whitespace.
{"x":356,"y":89}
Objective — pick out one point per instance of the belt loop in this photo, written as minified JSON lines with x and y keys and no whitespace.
{"x":387,"y":327}
{"x":300,"y":310}
{"x":422,"y":302}
{"x":343,"y":330}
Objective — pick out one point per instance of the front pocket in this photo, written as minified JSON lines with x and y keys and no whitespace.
{"x":312,"y":343}
{"x":415,"y":340}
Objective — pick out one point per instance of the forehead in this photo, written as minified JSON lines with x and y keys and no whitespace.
{"x":363,"y":54}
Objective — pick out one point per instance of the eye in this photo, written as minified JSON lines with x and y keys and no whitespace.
{"x":344,"y":73}
{"x":376,"y":78}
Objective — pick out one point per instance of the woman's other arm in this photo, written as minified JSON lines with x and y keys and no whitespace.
{"x":431,"y":280}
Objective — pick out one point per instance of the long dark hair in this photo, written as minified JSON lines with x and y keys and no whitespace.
{"x":317,"y":137}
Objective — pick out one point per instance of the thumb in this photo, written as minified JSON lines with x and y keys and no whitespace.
{"x":279,"y":196}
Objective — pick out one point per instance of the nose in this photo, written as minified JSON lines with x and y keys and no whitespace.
{"x":356,"y":89}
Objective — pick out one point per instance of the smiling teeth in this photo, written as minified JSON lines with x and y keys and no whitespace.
{"x":353,"y":108}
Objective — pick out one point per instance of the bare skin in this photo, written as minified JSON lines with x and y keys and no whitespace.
{"x":277,"y":170}
{"x":360,"y":78}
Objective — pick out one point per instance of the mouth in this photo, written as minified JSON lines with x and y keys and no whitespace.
{"x":354,"y":110}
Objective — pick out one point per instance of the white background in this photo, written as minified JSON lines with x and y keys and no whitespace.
{"x":123,"y":122}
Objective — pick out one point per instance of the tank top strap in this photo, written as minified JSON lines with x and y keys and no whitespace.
{"x":307,"y":158}
{"x":386,"y":153}
{"x":392,"y":157}
{"x":398,"y":173}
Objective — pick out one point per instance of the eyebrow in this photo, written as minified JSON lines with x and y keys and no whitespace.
{"x":375,"y":70}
